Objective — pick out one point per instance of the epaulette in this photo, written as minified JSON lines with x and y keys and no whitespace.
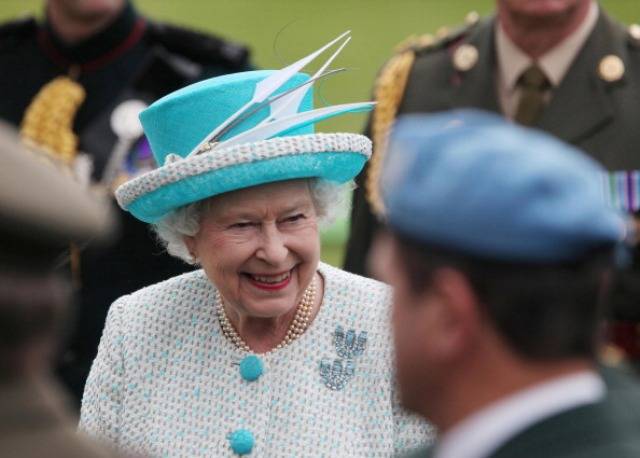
{"x":199,"y":47}
{"x":389,"y":91}
{"x":445,"y":36}
{"x":634,"y":34}
{"x":13,"y":32}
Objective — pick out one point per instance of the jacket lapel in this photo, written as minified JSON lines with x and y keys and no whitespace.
{"x":602,"y":429}
{"x":582,"y":104}
{"x":477,"y":86}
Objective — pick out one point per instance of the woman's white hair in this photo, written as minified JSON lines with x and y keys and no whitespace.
{"x":328,"y":198}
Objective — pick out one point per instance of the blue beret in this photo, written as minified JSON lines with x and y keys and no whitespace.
{"x":478,"y":184}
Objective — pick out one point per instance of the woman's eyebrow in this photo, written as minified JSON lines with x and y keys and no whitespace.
{"x":234,"y":214}
{"x":296,"y":206}
{"x":235,"y":211}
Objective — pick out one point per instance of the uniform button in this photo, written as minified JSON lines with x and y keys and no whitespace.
{"x":251,"y":368}
{"x":241,"y":441}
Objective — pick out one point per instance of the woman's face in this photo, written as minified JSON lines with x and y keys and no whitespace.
{"x":260,"y":247}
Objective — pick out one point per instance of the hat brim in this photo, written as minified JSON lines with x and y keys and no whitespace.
{"x":161,"y":194}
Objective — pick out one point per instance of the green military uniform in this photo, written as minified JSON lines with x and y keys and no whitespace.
{"x":596,"y":106}
{"x":132,"y":60}
{"x":610,"y":428}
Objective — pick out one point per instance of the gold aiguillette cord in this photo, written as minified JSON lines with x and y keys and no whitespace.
{"x":47,"y":125}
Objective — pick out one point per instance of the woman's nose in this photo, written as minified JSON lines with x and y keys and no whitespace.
{"x":273,"y":248}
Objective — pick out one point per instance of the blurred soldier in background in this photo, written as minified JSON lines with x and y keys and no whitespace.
{"x":562,"y":66}
{"x":500,"y":250}
{"x":75,"y":84}
{"x":41,"y":211}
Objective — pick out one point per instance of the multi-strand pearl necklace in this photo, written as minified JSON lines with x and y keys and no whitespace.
{"x":298,"y":326}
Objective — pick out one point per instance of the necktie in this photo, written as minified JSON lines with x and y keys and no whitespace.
{"x":534,"y":84}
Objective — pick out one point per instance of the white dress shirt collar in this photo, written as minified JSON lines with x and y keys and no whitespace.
{"x":485,"y":431}
{"x":512,"y":61}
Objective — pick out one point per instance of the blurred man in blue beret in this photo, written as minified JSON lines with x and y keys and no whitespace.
{"x":499,"y":246}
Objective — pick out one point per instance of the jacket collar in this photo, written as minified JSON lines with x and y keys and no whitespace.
{"x":583,"y":89}
{"x":115,"y":39}
{"x":477,"y":86}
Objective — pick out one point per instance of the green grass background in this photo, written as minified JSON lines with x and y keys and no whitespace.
{"x":280,"y":31}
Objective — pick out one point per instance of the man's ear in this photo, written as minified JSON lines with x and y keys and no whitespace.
{"x":456,"y":313}
{"x":381,"y":255}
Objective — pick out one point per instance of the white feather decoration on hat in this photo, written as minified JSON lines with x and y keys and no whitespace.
{"x":294,"y":121}
{"x":290,"y":104}
{"x":284,"y":107}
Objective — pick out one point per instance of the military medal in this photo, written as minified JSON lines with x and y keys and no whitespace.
{"x":622,"y":189}
{"x":126,"y":125}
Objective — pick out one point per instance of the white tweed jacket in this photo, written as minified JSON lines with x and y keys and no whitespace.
{"x":166,"y":381}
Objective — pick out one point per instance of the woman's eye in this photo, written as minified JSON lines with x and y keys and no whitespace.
{"x":294,"y":218}
{"x":242,"y":225}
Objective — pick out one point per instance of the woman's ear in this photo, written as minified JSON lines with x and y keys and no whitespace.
{"x":190,"y":242}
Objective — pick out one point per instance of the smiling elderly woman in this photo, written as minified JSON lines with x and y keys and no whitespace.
{"x":264,"y":351}
{"x":260,"y":247}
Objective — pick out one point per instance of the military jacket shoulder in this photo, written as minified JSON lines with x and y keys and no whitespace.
{"x":406,"y":81}
{"x":423,"y":55}
{"x":633,"y":33}
{"x":202,"y":48}
{"x":421,"y":59}
{"x":441,"y":40}
{"x":14,"y":32}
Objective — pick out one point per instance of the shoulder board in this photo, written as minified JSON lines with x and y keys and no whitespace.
{"x":18,"y":29}
{"x":445,"y":37}
{"x":200,"y":47}
{"x":634,"y":34}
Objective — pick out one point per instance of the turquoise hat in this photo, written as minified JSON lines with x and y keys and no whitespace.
{"x":237,"y":131}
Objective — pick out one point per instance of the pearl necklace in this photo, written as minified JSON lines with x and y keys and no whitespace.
{"x":298,"y":326}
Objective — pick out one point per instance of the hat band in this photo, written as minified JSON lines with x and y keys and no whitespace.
{"x":179,"y":169}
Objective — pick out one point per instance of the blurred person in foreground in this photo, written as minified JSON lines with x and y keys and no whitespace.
{"x":74,"y":82}
{"x":500,"y":246}
{"x":41,"y":211}
{"x":264,"y":350}
{"x":563,"y":66}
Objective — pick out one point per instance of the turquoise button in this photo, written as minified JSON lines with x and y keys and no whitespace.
{"x":251,"y":368}
{"x":242,"y":441}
